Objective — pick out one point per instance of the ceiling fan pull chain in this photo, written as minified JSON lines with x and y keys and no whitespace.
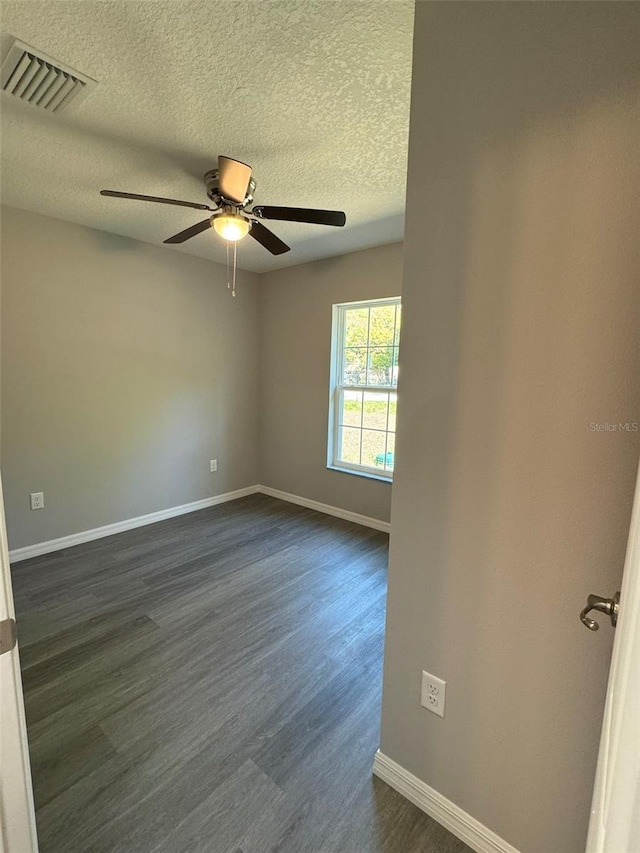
{"x":231,"y":268}
{"x":235,"y":267}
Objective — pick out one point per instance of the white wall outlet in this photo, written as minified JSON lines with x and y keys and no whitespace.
{"x":433,"y":694}
{"x":37,"y":500}
{"x":214,"y":465}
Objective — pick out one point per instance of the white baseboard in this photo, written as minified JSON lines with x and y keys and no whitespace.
{"x":128,"y":524}
{"x":327,"y":509}
{"x":446,"y":813}
{"x":171,"y":512}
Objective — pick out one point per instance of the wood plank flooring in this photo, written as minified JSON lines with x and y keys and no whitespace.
{"x":212,"y":683}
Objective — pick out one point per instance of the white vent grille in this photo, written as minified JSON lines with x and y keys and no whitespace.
{"x":39,"y":80}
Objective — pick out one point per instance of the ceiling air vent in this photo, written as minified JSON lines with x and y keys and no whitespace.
{"x":44,"y":82}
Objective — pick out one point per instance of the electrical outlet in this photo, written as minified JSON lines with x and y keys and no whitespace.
{"x":433,"y":694}
{"x":37,"y":500}
{"x":214,"y":465}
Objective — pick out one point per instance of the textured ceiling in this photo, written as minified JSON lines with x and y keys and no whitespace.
{"x":314,"y":95}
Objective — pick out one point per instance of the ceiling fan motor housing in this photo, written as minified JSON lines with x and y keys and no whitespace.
{"x":213,"y":191}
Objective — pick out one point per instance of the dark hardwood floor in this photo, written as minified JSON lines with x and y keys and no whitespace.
{"x":212,"y":683}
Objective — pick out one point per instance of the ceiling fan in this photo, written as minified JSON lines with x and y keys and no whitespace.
{"x":230,"y":187}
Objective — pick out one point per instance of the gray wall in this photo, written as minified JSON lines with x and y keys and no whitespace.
{"x":125,"y":369}
{"x":521,"y":313}
{"x":295,"y":315}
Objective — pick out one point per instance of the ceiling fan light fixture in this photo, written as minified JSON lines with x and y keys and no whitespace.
{"x":231,"y":227}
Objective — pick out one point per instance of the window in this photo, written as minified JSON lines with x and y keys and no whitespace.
{"x":364,"y":378}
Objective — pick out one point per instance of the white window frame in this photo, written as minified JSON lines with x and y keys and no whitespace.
{"x":337,"y":388}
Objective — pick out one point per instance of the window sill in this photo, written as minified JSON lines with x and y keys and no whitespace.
{"x":368,"y":474}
